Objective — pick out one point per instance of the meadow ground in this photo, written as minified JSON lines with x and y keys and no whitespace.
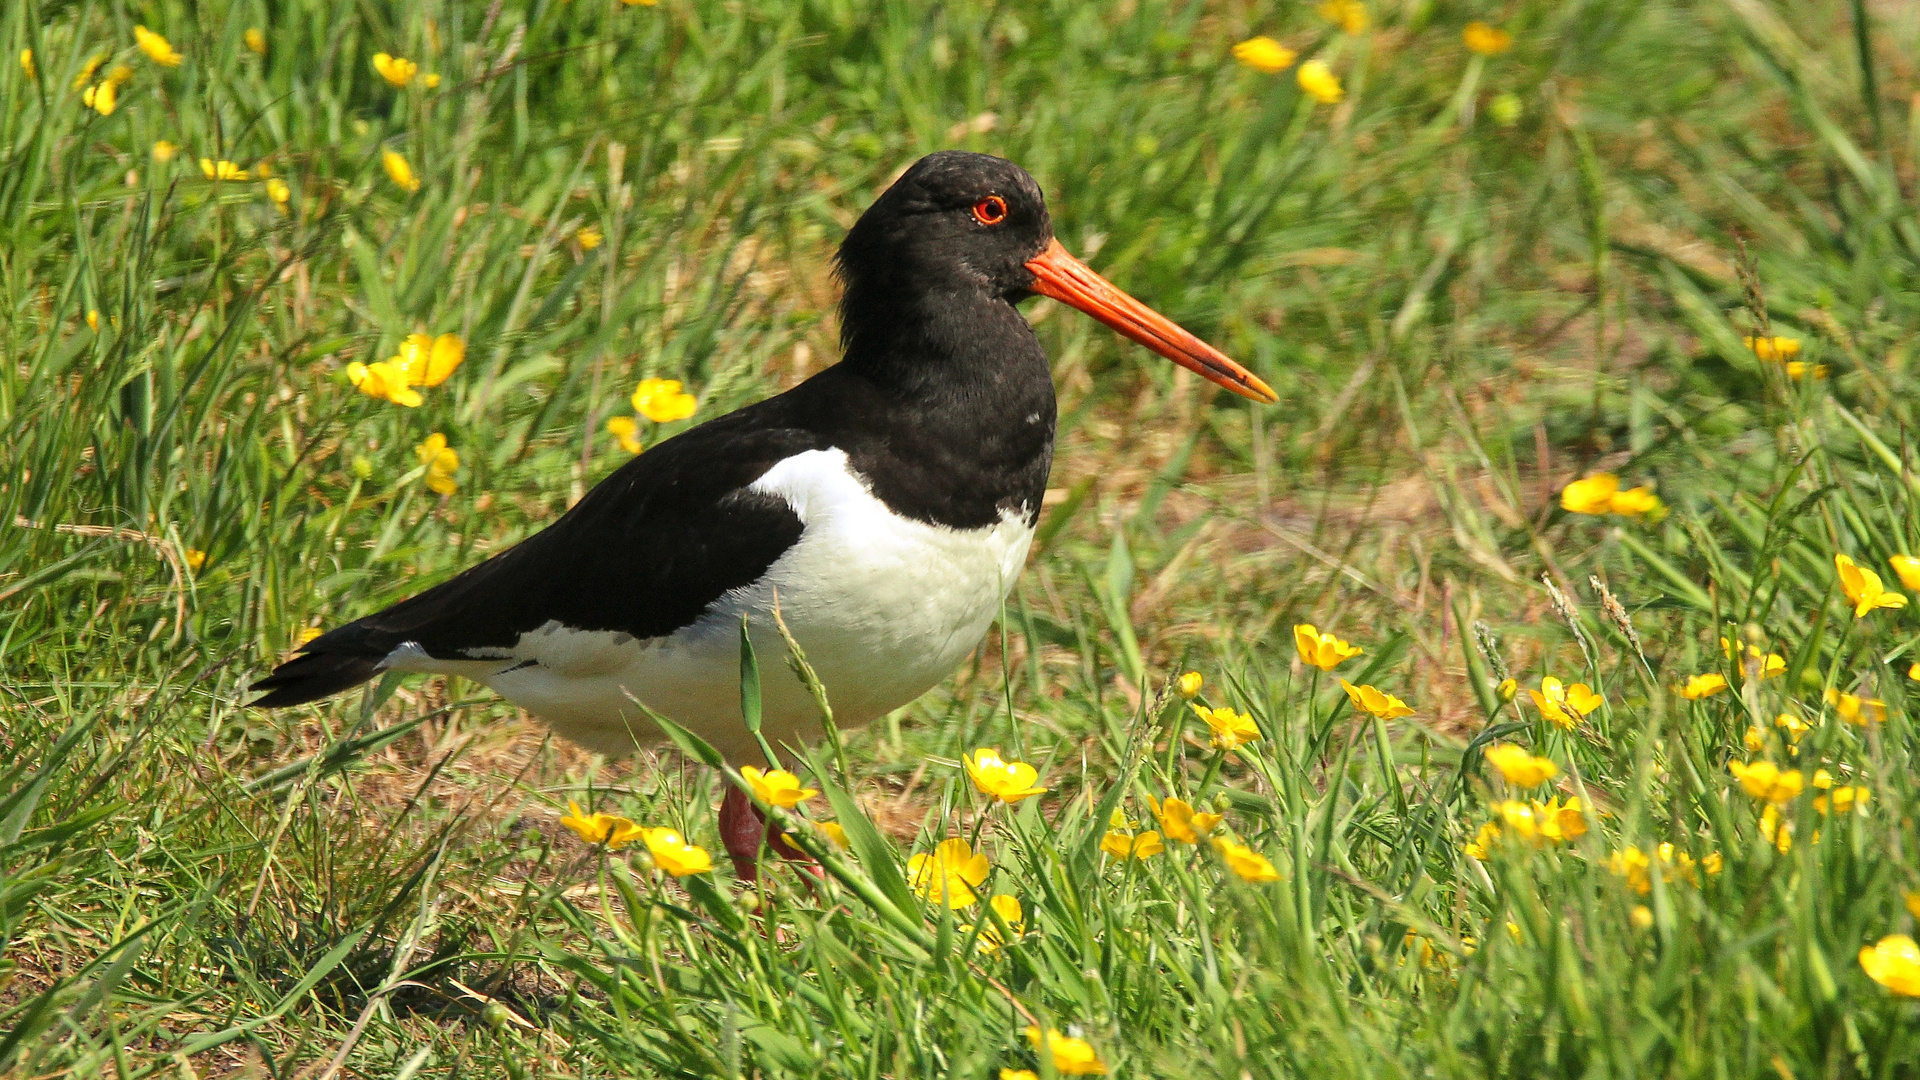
{"x":1484,"y":265}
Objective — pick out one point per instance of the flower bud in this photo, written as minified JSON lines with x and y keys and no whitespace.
{"x":1188,"y":685}
{"x":1507,"y":689}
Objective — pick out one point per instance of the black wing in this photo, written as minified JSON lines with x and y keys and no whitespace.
{"x":645,"y":553}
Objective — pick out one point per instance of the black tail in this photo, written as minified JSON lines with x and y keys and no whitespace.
{"x":314,"y":675}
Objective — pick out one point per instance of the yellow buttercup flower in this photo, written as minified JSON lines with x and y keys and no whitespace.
{"x":26,"y":65}
{"x":1319,"y":81}
{"x":157,"y":48}
{"x":1518,"y":818}
{"x":223,"y":170}
{"x":1590,"y":495}
{"x":1264,"y":54}
{"x":1907,"y":568}
{"x":1564,"y":705}
{"x":1772,"y":348}
{"x":1638,"y":502}
{"x":662,"y":401}
{"x":1246,"y":863}
{"x":256,"y":41}
{"x":1007,"y":781}
{"x":1765,"y":780}
{"x":1601,"y":494}
{"x":610,"y":829}
{"x":830,"y":829}
{"x":1863,"y":588}
{"x":1550,"y":820}
{"x":1349,"y":15}
{"x":1893,"y":962}
{"x":1508,"y":689}
{"x":441,"y":461}
{"x":1753,"y":661}
{"x":1008,"y":908}
{"x":1795,"y":727}
{"x":1323,"y":651}
{"x":627,"y":431}
{"x":1486,"y":40}
{"x":671,"y":852}
{"x":1857,"y":710}
{"x":163,"y":151}
{"x":1636,"y":866}
{"x":1520,"y":768}
{"x":949,"y":873}
{"x":427,"y":361}
{"x":589,"y":237}
{"x":1560,"y":821}
{"x":1231,"y":730}
{"x":1188,"y":685}
{"x":196,"y":558}
{"x":1777,"y":832}
{"x":1126,"y":846}
{"x":1641,"y":917}
{"x":778,"y":787}
{"x":1377,"y":702}
{"x":639,"y":3}
{"x":1071,"y":1057}
{"x":1005,"y":1074}
{"x":1482,"y":841}
{"x":1701,"y":686}
{"x":93,"y":319}
{"x":1179,"y":821}
{"x":101,"y":98}
{"x":1755,"y":739}
{"x":278,"y":191}
{"x":397,"y":70}
{"x":399,"y":171}
{"x":1632,"y":864}
{"x":384,"y":380}
{"x":86,"y":70}
{"x":1843,"y":799}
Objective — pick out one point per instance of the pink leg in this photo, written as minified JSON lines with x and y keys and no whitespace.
{"x":741,"y":828}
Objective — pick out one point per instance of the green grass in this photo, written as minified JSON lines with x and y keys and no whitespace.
{"x":1461,"y":316}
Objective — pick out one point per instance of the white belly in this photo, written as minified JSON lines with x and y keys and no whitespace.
{"x":885,"y":608}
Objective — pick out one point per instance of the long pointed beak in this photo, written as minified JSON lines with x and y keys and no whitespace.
{"x":1070,"y":281}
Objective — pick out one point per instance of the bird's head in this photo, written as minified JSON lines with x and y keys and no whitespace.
{"x":977,"y":225}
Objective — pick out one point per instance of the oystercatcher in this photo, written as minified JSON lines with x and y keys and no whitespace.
{"x":886,"y":504}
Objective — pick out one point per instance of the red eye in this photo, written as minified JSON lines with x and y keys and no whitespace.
{"x":991,"y":210}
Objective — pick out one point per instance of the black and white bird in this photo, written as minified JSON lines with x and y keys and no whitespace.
{"x":887,"y":502}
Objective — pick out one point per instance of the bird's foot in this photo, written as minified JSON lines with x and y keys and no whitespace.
{"x":742,"y":829}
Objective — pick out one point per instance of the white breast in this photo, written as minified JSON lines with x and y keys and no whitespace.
{"x":885,"y":607}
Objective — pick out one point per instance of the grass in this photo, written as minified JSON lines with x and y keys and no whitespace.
{"x":1473,"y":281}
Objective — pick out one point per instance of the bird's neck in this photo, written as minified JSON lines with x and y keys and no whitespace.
{"x":939,"y":345}
{"x":946,"y":404}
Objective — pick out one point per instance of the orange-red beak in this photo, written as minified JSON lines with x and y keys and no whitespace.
{"x":1070,"y":281}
